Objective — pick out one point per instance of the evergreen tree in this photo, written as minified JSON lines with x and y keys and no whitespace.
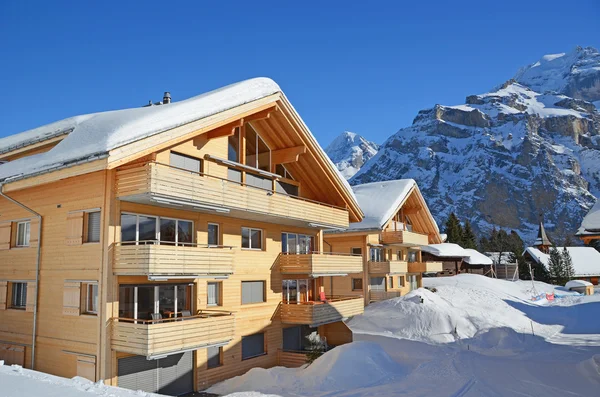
{"x":468,"y":237}
{"x":567,"y":264}
{"x":453,"y":230}
{"x":484,"y":244}
{"x":556,"y":268}
{"x":568,"y":241}
{"x":595,"y":244}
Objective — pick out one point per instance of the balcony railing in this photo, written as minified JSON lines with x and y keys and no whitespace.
{"x":318,"y":263}
{"x":153,"y":338}
{"x":388,"y":267}
{"x":156,"y":258}
{"x":425,"y":267}
{"x":160,"y":184}
{"x":375,"y":296}
{"x":404,"y":237}
{"x":316,"y":313}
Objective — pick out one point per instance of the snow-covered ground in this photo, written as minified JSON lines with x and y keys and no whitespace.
{"x":475,"y":336}
{"x":19,"y":382}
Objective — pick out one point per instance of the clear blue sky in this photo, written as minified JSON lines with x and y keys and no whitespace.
{"x":361,"y":66}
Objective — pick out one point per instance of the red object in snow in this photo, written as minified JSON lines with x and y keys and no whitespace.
{"x":550,"y":297}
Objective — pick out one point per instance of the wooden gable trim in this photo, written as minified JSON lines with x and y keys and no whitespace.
{"x":186,"y":132}
{"x":226,"y":130}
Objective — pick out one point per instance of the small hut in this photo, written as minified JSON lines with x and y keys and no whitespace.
{"x":581,"y":286}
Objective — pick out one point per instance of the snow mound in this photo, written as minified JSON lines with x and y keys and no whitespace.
{"x":334,"y":371}
{"x":577,"y":283}
{"x":468,"y":305}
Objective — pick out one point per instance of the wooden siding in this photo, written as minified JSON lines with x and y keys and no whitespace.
{"x":320,"y":263}
{"x":173,"y":260}
{"x":424,"y":267}
{"x":387,"y":267}
{"x":162,"y":180}
{"x":375,"y":296}
{"x":404,"y":237}
{"x":150,"y":338}
{"x":318,"y":313}
{"x":291,"y":359}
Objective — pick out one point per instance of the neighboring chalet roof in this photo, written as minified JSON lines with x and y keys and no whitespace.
{"x":591,"y":222}
{"x":586,"y":260}
{"x":477,"y":258}
{"x":446,"y":250}
{"x":379,"y":201}
{"x":119,"y":136}
{"x":542,"y":238}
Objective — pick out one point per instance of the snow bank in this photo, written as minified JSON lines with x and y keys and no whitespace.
{"x":17,"y":381}
{"x":577,"y":283}
{"x":334,"y":371}
{"x":467,"y":305}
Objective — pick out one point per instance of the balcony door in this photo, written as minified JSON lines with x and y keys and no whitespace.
{"x":296,"y":291}
{"x":147,"y":229}
{"x":293,"y":243}
{"x":154,"y":302}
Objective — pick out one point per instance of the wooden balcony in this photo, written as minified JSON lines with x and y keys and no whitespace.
{"x":318,"y":313}
{"x":404,"y":237}
{"x":376,"y":296}
{"x":320,"y":264}
{"x":153,"y":338}
{"x":388,"y":267}
{"x":425,"y":267}
{"x":151,"y":258}
{"x":163,"y":185}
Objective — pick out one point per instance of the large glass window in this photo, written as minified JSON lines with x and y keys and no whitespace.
{"x":253,"y":292}
{"x":253,"y":346}
{"x":412,"y":256}
{"x":143,"y":228}
{"x":233,"y":154}
{"x":258,"y":154}
{"x":295,"y":290}
{"x":215,"y":355}
{"x":151,"y":302}
{"x":376,"y":254}
{"x":295,"y":338}
{"x":293,"y":243}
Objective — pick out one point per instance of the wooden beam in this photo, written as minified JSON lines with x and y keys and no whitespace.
{"x":226,"y":130}
{"x":287,"y":155}
{"x":412,"y":210}
{"x":263,"y":114}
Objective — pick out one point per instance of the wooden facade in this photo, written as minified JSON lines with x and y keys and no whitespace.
{"x":230,"y":262}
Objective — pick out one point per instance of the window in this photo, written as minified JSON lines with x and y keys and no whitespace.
{"x":253,"y":292}
{"x":356,"y":251}
{"x":150,"y":229}
{"x":153,"y":302}
{"x":233,"y":154}
{"x":215,"y":355}
{"x":390,"y":282}
{"x":92,"y":227}
{"x":399,"y":255}
{"x":412,"y":256}
{"x":251,"y":238}
{"x":23,"y":234}
{"x":297,"y":243}
{"x":185,"y":162}
{"x":286,"y":188}
{"x":357,"y":284}
{"x":376,"y":255}
{"x":213,"y":234}
{"x":281,"y":170}
{"x":213,"y":291}
{"x":295,"y":290}
{"x":253,"y":346}
{"x":258,"y":154}
{"x":18,"y":299}
{"x":90,"y":305}
{"x":401,"y":282}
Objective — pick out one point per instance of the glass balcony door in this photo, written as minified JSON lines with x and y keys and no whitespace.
{"x":293,"y":243}
{"x":155,"y":302}
{"x":295,"y":291}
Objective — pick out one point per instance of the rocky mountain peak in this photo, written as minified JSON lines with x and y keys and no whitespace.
{"x":350,"y":151}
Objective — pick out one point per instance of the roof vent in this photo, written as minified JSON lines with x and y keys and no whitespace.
{"x":166,"y":98}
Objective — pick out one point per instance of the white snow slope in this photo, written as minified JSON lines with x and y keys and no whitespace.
{"x":474,"y":337}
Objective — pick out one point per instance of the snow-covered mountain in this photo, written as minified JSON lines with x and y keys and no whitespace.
{"x":350,"y":151}
{"x":530,"y":146}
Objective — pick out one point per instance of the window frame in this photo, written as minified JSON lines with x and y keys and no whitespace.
{"x":208,"y":366}
{"x":264,"y":352}
{"x":219,"y":294}
{"x":264,"y":292}
{"x":22,"y":296}
{"x":157,"y":228}
{"x":352,"y":285}
{"x":401,"y":281}
{"x":218,"y":225}
{"x":250,"y":248}
{"x":298,"y":235}
{"x":26,"y":235}
{"x":86,"y":227}
{"x":85,"y":307}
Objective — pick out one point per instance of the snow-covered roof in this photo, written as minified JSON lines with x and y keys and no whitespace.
{"x":379,"y":201}
{"x":577,"y":284}
{"x":477,"y":258}
{"x":591,"y":222}
{"x":446,"y":250}
{"x":94,"y":135}
{"x":586,"y":260}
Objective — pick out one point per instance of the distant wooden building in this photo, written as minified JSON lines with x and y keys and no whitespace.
{"x":590,"y":226}
{"x":451,"y":255}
